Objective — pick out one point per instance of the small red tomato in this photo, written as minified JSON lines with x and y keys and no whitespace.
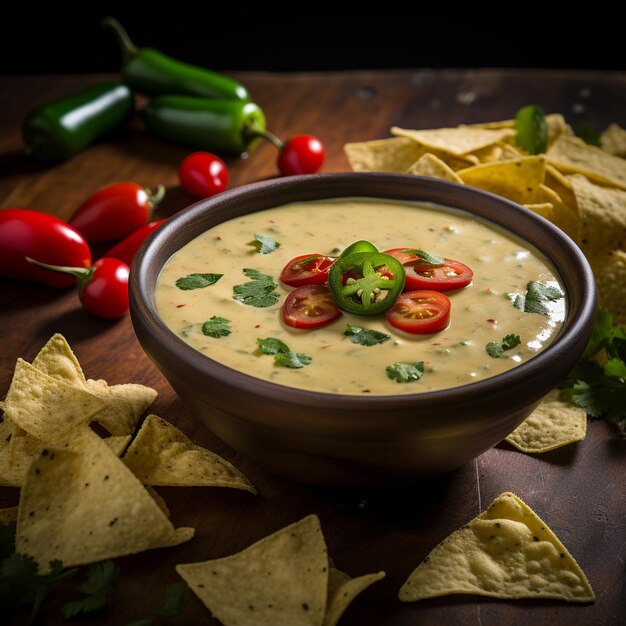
{"x":125,"y":250}
{"x":307,"y":269}
{"x":105,"y":292}
{"x":203,"y":174}
{"x":302,"y":154}
{"x":310,"y":306}
{"x":115,"y":211}
{"x":420,"y":312}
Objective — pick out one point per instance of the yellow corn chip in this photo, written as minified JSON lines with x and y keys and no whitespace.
{"x":16,"y":457}
{"x":609,"y":269}
{"x":56,"y":359}
{"x":383,"y":155}
{"x":342,"y":589}
{"x":430,"y":165}
{"x":117,"y":443}
{"x":563,"y":215}
{"x":555,"y":123}
{"x":613,"y":140}
{"x":545,"y":209}
{"x":162,"y":455}
{"x":551,"y":425}
{"x":281,"y":580}
{"x":506,"y":552}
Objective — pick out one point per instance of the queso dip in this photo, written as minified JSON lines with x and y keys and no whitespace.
{"x":481,"y":313}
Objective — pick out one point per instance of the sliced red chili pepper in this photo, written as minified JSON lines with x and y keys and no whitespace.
{"x":307,"y":269}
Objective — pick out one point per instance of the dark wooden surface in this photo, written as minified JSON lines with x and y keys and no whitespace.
{"x":579,"y":490}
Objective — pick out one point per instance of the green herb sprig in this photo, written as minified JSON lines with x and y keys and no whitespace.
{"x":258,"y":292}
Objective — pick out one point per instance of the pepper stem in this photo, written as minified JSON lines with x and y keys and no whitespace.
{"x":83,"y":274}
{"x":155,"y":197}
{"x":251,"y":132}
{"x":129,"y":49}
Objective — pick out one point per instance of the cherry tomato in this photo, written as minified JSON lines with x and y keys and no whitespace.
{"x":302,"y":154}
{"x":25,"y":233}
{"x":420,"y":312}
{"x":105,"y":292}
{"x":308,"y":269}
{"x":115,"y":211}
{"x":310,"y":306}
{"x":125,"y":249}
{"x":203,"y":174}
{"x":420,"y":275}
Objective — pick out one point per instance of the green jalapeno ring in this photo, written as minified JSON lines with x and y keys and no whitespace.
{"x":367,"y":291}
{"x":359,"y":246}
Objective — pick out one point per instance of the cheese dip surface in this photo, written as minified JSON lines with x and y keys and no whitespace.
{"x":482,"y":312}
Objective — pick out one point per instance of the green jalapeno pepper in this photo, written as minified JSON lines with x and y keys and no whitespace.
{"x":232,"y":126}
{"x":57,"y":130}
{"x":153,"y":73}
{"x":359,"y":246}
{"x":366,"y":283}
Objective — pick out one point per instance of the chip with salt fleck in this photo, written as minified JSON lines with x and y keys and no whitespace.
{"x":56,"y":359}
{"x":430,"y":165}
{"x":342,"y":589}
{"x":162,"y":455}
{"x":609,"y":268}
{"x":396,"y":154}
{"x":613,"y":140}
{"x":551,"y":425}
{"x":506,"y":552}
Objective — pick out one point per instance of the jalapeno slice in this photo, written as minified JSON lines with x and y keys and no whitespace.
{"x":359,"y":246}
{"x":374,"y":281}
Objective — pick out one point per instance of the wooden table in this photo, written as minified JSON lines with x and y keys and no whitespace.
{"x":579,"y":490}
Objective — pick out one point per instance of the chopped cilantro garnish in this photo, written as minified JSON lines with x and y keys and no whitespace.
{"x":258,"y":292}
{"x":271,"y":345}
{"x":102,"y":579}
{"x":588,"y":134}
{"x":431,"y":259}
{"x":264,"y":244}
{"x":365,"y":336}
{"x":531,"y":129}
{"x":216,"y":327}
{"x":537,"y":295}
{"x":197,"y":281}
{"x":405,"y":372}
{"x":283,"y":356}
{"x":497,"y":348}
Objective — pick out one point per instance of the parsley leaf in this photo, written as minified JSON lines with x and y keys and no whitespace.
{"x":197,"y":281}
{"x":531,"y":129}
{"x":497,"y":348}
{"x":102,"y":579}
{"x":264,"y":244}
{"x":365,"y":336}
{"x":537,"y":295}
{"x":216,"y":327}
{"x":405,"y":372}
{"x":259,"y":292}
{"x":588,"y":134}
{"x":271,"y":345}
{"x":283,"y":356}
{"x":431,"y":259}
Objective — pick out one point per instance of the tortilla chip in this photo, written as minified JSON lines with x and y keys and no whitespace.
{"x":516,"y":180}
{"x":82,"y":507}
{"x":8,"y":515}
{"x":613,"y":140}
{"x":383,"y":155}
{"x":46,"y":407}
{"x":555,"y":123}
{"x":162,"y":455}
{"x":16,"y":457}
{"x":609,"y":269}
{"x":551,"y":425}
{"x":430,"y":165}
{"x":573,"y":156}
{"x":506,"y":552}
{"x":124,"y":405}
{"x":602,"y":214}
{"x":281,"y":580}
{"x":545,"y":209}
{"x":117,"y":443}
{"x":458,"y":141}
{"x":342,"y":589}
{"x":56,"y":359}
{"x":564,"y":216}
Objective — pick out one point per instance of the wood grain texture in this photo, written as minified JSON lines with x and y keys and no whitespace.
{"x":578,"y":491}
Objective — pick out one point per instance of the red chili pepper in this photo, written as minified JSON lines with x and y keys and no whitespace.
{"x":24,"y":232}
{"x":125,"y":249}
{"x":115,"y":211}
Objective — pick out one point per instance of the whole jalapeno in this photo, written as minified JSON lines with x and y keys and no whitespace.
{"x":226,"y":126}
{"x":153,"y":73}
{"x":60,"y":129}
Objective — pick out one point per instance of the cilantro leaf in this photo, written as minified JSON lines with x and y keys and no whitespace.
{"x":293,"y":360}
{"x":536,"y":297}
{"x":365,"y":336}
{"x":431,"y":259}
{"x":531,"y":129}
{"x":496,"y":349}
{"x":197,"y":281}
{"x":176,"y":597}
{"x":264,"y":244}
{"x":405,"y":372}
{"x":102,"y":579}
{"x":216,"y":327}
{"x":258,"y":292}
{"x":271,"y":345}
{"x":588,"y":134}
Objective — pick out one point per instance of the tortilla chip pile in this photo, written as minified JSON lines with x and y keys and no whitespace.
{"x":282,"y":580}
{"x":506,"y":552}
{"x":578,"y":187}
{"x":79,"y":502}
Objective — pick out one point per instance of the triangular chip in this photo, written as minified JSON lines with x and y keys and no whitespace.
{"x":46,"y":407}
{"x":516,"y":180}
{"x":56,"y":359}
{"x":552,"y":424}
{"x":430,"y":165}
{"x":282,"y":580}
{"x":573,"y":156}
{"x":161,"y":454}
{"x":396,"y":154}
{"x":609,"y":269}
{"x":506,"y":552}
{"x":613,"y":140}
{"x":124,"y":405}
{"x":458,"y":141}
{"x":87,"y":506}
{"x":16,"y":457}
{"x":564,"y":216}
{"x":117,"y":443}
{"x":342,"y":589}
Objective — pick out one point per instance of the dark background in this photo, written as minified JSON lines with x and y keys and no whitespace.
{"x":340,"y":36}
